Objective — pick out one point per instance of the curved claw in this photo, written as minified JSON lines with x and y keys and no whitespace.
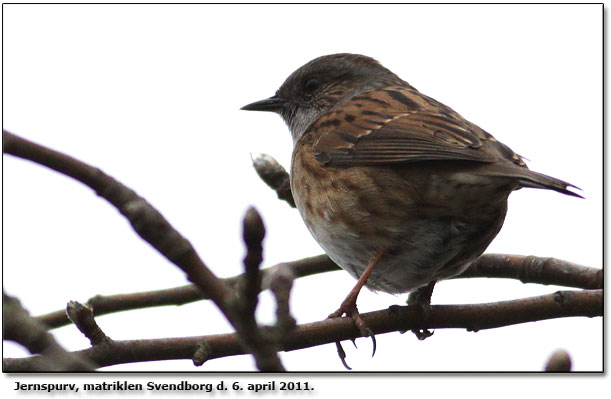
{"x":354,"y":343}
{"x":373,"y":340}
{"x":342,"y":355}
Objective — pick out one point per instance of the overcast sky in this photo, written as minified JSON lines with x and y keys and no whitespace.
{"x":151,"y":95}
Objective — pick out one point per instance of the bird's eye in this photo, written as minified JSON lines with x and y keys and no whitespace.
{"x":312,"y":84}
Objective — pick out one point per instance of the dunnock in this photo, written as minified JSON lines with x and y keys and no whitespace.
{"x":400,"y":190}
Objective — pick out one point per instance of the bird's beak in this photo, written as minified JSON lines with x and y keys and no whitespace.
{"x":272,"y":104}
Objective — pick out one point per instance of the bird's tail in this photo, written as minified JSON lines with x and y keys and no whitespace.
{"x":539,"y":180}
{"x":527,"y":178}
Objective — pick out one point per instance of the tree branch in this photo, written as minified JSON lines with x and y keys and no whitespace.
{"x":397,"y":318}
{"x":146,"y":220}
{"x":531,"y":269}
{"x":527,"y":269}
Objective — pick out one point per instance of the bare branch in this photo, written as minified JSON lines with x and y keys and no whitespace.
{"x":145,"y":219}
{"x":554,"y":272}
{"x":19,"y":326}
{"x":82,"y":317}
{"x":185,"y":294}
{"x":397,"y":318}
{"x":532,"y":269}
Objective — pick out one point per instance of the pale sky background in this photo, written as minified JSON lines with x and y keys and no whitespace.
{"x":151,"y":95}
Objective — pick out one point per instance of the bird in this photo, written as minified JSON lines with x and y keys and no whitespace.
{"x":399,"y":189}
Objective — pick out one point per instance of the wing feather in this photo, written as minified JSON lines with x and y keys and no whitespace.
{"x":403,"y":128}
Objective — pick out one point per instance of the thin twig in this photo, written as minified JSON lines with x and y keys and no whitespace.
{"x":202,"y":354}
{"x":281,"y":283}
{"x":82,"y":317}
{"x":397,"y":318}
{"x":275,"y":176}
{"x":253,"y":234}
{"x":252,"y":339}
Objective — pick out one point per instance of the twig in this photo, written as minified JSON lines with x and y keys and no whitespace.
{"x":202,"y":354}
{"x":275,"y":176}
{"x":559,"y":362}
{"x":281,"y":283}
{"x":253,"y":234}
{"x":19,"y":326}
{"x":82,"y":317}
{"x":252,"y":339}
{"x":397,"y":318}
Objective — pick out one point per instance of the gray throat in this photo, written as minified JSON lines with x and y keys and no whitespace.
{"x":299,"y":122}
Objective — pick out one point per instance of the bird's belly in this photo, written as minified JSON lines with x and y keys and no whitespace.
{"x":413,"y":260}
{"x":353,"y":214}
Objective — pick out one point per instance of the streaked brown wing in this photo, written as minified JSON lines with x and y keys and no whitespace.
{"x":406,"y":127}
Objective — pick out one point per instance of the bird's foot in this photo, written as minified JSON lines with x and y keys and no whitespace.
{"x":348,"y":308}
{"x":421,"y":299}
